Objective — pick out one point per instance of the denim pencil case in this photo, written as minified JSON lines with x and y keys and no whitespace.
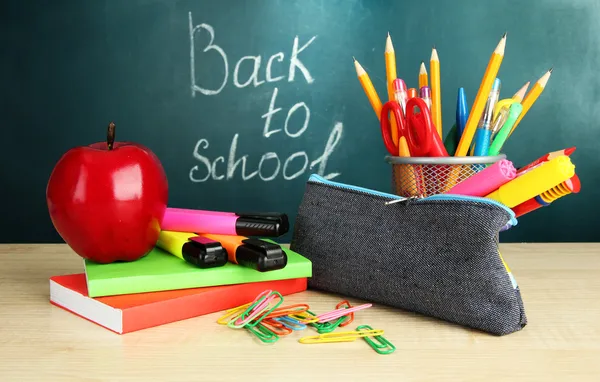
{"x":437,"y":256}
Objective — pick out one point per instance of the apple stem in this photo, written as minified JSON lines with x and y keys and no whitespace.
{"x":110,"y":135}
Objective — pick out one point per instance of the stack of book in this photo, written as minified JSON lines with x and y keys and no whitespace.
{"x":165,"y":286}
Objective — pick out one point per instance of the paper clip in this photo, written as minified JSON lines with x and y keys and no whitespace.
{"x":276,"y":327}
{"x":378,"y":343}
{"x":306,"y":317}
{"x":330,"y":316}
{"x":340,"y":336}
{"x":250,"y":317}
{"x":263,"y":333}
{"x":291,"y":323}
{"x":223,"y":320}
{"x":288,"y":310}
{"x":328,"y":327}
{"x":350,"y":316}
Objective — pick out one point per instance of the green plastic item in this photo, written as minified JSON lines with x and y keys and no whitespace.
{"x":451,"y":141}
{"x":378,"y":343}
{"x":513,"y":113}
{"x":160,"y":271}
{"x":263,"y":333}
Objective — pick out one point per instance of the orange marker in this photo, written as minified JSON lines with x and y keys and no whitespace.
{"x":252,"y":253}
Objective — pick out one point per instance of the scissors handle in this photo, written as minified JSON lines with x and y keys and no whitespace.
{"x":427,"y":141}
{"x":386,"y":125}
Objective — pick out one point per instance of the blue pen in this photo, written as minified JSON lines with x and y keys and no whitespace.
{"x":484,"y":131}
{"x":462,"y":114}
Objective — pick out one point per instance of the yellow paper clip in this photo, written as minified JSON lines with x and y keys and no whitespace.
{"x":305,"y":317}
{"x":340,"y":336}
{"x":223,"y":320}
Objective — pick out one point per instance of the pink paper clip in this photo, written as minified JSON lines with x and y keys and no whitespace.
{"x":334,"y":314}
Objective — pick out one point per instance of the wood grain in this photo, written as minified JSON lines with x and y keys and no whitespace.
{"x":560,"y":284}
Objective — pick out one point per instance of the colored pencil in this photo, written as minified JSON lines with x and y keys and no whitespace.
{"x":368,"y":88}
{"x":532,"y":96}
{"x":436,"y":96}
{"x":423,"y":76}
{"x":490,"y":75}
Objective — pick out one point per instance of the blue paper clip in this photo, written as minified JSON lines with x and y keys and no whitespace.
{"x":290,"y":323}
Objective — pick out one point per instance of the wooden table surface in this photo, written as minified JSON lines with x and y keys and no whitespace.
{"x":560,"y":284}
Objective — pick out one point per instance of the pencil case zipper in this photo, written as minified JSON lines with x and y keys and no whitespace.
{"x":314,"y":178}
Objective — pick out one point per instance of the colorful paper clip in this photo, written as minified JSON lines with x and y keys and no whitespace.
{"x":263,"y":333}
{"x":223,"y":320}
{"x":340,"y":336}
{"x":330,"y":316}
{"x":276,"y":327}
{"x":345,"y":303}
{"x":290,"y":323}
{"x":260,"y":307}
{"x":378,"y":343}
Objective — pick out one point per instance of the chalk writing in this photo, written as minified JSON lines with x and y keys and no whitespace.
{"x":271,"y":164}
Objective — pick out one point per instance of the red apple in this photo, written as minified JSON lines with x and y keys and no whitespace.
{"x":107,"y":200}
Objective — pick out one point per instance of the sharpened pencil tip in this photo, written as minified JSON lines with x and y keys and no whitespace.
{"x":504,"y":35}
{"x":550,"y":70}
{"x":353,"y":58}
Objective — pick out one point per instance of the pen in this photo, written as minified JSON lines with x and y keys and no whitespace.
{"x":502,"y":107}
{"x":513,"y":113}
{"x":196,"y":250}
{"x":269,"y":224}
{"x":461,"y":112}
{"x":425,"y":94}
{"x":546,"y":158}
{"x":252,"y":253}
{"x":482,"y":139}
{"x":400,"y":93}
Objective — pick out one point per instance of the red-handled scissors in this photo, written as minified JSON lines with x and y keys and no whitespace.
{"x":417,"y":128}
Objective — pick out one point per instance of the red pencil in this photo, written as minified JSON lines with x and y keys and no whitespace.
{"x":546,"y":158}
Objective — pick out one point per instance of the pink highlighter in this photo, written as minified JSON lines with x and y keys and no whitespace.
{"x":487,"y":180}
{"x":225,"y":223}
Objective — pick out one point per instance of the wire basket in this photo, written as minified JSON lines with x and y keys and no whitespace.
{"x":427,"y":176}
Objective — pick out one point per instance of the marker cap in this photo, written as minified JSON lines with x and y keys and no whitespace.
{"x":267,"y":224}
{"x":261,"y":255}
{"x":204,"y":253}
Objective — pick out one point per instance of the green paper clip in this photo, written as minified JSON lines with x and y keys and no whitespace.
{"x":378,"y":343}
{"x":263,"y":333}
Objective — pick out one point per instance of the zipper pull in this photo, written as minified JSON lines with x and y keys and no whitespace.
{"x":406,"y":201}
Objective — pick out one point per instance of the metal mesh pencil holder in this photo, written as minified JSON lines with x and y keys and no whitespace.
{"x":427,"y":176}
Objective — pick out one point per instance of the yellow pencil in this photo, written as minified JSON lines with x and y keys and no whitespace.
{"x":521,"y":92}
{"x":531,"y":97}
{"x":481,"y":99}
{"x":422,"y":76}
{"x":390,"y":73}
{"x":368,"y":88}
{"x":436,"y":96}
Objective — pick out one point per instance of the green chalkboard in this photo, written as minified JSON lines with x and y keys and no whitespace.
{"x":243,"y":100}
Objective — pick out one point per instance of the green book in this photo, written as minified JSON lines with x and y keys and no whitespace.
{"x":160,"y":271}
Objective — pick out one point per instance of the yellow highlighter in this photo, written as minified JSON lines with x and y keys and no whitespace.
{"x":534,"y":182}
{"x":196,"y":250}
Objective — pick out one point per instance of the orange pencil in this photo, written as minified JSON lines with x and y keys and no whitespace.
{"x":490,"y":75}
{"x":390,"y":73}
{"x":368,"y":88}
{"x":518,"y":97}
{"x":423,"y":76}
{"x":532,"y":96}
